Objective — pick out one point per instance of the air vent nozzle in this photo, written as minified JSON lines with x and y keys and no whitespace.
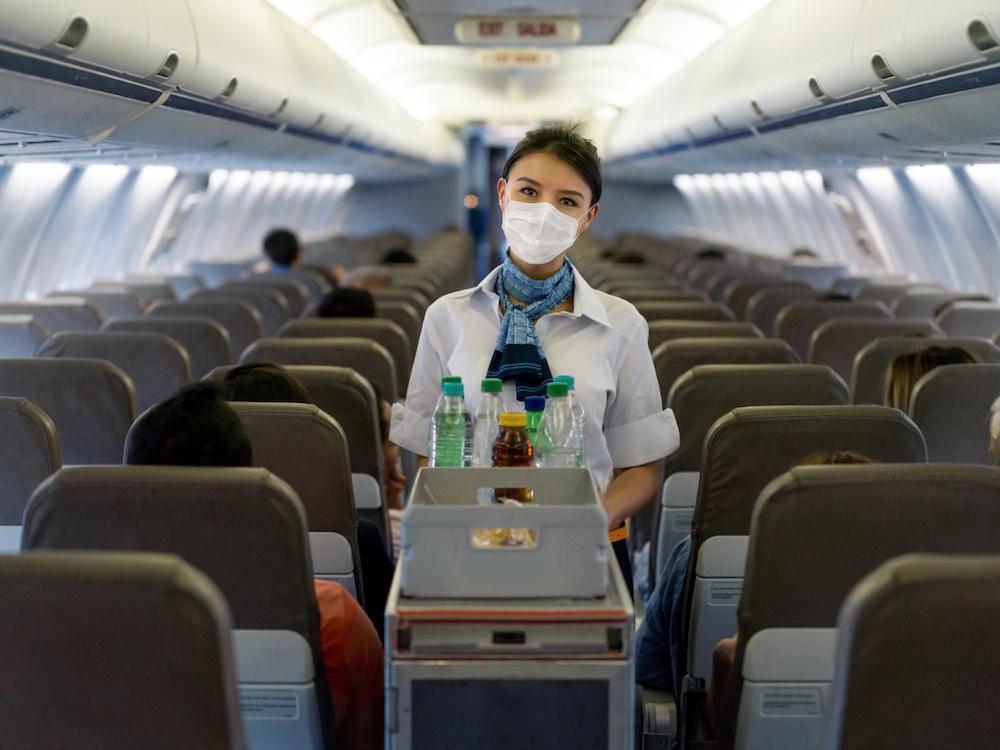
{"x":74,"y":35}
{"x":881,"y":68}
{"x":816,"y":89}
{"x":169,"y":66}
{"x":231,"y":88}
{"x":981,"y":37}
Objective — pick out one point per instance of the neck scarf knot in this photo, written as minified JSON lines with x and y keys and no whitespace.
{"x":519,"y":353}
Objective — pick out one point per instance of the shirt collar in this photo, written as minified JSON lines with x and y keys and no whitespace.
{"x":586,"y":302}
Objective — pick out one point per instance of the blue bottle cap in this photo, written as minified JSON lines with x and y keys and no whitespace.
{"x":454,"y":389}
{"x":567,"y":379}
{"x":534,"y":403}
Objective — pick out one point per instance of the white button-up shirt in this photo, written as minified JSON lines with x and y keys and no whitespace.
{"x":603,"y":343}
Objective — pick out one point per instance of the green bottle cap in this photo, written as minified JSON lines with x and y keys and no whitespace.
{"x":557,"y":389}
{"x":492,"y":385}
{"x":451,"y":379}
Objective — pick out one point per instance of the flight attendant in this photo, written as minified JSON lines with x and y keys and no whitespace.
{"x":535,"y":316}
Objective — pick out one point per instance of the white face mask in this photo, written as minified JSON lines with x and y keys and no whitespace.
{"x":538,"y":232}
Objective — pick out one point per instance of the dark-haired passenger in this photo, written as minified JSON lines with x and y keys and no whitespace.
{"x":198,"y":427}
{"x":281,"y":246}
{"x":535,"y":315}
{"x":347,"y":302}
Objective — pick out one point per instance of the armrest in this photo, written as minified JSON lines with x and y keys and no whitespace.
{"x":659,"y":720}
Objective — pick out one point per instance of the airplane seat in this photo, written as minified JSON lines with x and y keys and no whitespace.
{"x":669,"y":310}
{"x":677,"y":498}
{"x":57,"y":315}
{"x":270,"y":304}
{"x":184,"y":283}
{"x":819,"y":275}
{"x":868,"y":372}
{"x":951,"y":406}
{"x":156,"y":363}
{"x":291,"y":289}
{"x":797,"y":321}
{"x":91,"y":403}
{"x":204,"y":339}
{"x":240,"y":319}
{"x":369,"y":358}
{"x":970,"y":319}
{"x":245,"y":529}
{"x":107,"y":304}
{"x":743,"y":451}
{"x":28,"y":454}
{"x":308,"y":449}
{"x":674,"y":357}
{"x":350,"y":399}
{"x":801,"y":567}
{"x":215,"y":273}
{"x":707,"y":392}
{"x":383,"y":332}
{"x":718,"y":282}
{"x":738,"y":292}
{"x":402,"y":314}
{"x":147,"y":291}
{"x":116,"y":650}
{"x":416,"y":298}
{"x":636,"y":293}
{"x":920,"y":304}
{"x":916,"y":623}
{"x":667,"y":330}
{"x":836,"y":342}
{"x":891,"y":291}
{"x":20,"y":336}
{"x":763,"y":306}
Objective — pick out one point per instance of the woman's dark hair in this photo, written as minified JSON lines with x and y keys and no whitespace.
{"x":904,"y":371}
{"x":281,"y":246}
{"x":264,"y":381}
{"x":347,"y":302}
{"x":565,"y":145}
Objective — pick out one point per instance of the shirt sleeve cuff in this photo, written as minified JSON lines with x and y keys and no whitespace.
{"x":649,"y":439}
{"x":409,"y":430}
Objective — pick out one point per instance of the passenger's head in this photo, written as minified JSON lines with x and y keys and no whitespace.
{"x":835,"y":457}
{"x":347,"y":302}
{"x":567,"y":147}
{"x":397,"y":255}
{"x":195,"y":427}
{"x":905,"y":370}
{"x":264,"y":381}
{"x":281,"y":246}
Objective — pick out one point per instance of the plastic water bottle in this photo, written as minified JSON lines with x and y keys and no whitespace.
{"x":559,"y":443}
{"x":578,"y":414}
{"x":437,"y":408}
{"x":452,"y":429}
{"x":487,"y":425}
{"x":534,"y":408}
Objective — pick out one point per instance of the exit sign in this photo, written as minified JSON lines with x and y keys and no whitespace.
{"x":535,"y":30}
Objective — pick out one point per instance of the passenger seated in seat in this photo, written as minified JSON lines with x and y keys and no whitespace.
{"x":905,"y":370}
{"x":270,"y":382}
{"x":196,"y":427}
{"x":347,"y":302}
{"x":658,"y":642}
{"x":284,"y":252}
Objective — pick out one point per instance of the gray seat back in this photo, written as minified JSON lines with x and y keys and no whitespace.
{"x":20,"y":336}
{"x":90,"y":401}
{"x":271,"y":305}
{"x":184,"y":283}
{"x":817,"y":530}
{"x":837,"y":342}
{"x":369,"y":358}
{"x":673,"y":358}
{"x":205,"y":340}
{"x":29,"y":453}
{"x":708,"y":392}
{"x":416,"y":298}
{"x":739,"y":292}
{"x":951,"y":406}
{"x":383,"y":332}
{"x":147,"y":291}
{"x":667,"y":330}
{"x":819,"y":275}
{"x":241,"y":321}
{"x":797,"y":321}
{"x":291,"y":289}
{"x":927,"y":304}
{"x":122,"y":680}
{"x":215,"y":273}
{"x":970,"y":319}
{"x":915,"y":624}
{"x":157,"y":365}
{"x":868,"y":375}
{"x":649,"y":293}
{"x":402,"y":314}
{"x":764,"y":306}
{"x":57,"y":315}
{"x":667,"y":310}
{"x":889,"y":292}
{"x":243,"y":527}
{"x":107,"y":304}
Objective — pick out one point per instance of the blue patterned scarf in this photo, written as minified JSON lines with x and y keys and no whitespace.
{"x":519,"y":353}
